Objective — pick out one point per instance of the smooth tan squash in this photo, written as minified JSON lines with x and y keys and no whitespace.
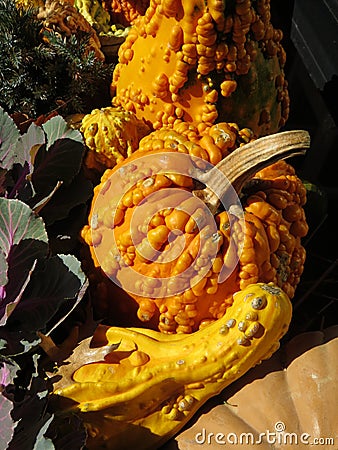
{"x":271,"y":397}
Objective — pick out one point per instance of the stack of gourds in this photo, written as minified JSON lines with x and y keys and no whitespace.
{"x":201,"y":79}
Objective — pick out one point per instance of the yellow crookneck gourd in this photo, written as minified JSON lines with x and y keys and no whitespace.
{"x":138,"y":387}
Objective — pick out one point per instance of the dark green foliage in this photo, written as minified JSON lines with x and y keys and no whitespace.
{"x":41,"y":71}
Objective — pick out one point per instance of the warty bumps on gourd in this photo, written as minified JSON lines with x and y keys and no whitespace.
{"x":204,"y":61}
{"x":111,"y":135}
{"x":271,"y":235}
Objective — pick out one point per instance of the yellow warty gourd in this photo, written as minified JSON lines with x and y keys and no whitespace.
{"x":111,"y":135}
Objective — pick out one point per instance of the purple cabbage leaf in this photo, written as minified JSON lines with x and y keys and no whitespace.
{"x":50,"y":294}
{"x":8,"y":370}
{"x":23,"y":240}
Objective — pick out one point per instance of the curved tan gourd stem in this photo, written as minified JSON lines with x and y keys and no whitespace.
{"x":238,"y":167}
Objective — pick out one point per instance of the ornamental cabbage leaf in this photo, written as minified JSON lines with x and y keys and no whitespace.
{"x":57,"y":128}
{"x":23,"y":239}
{"x":55,"y":283}
{"x":43,"y":196}
{"x":9,"y":135}
{"x":8,"y":370}
{"x":14,"y":147}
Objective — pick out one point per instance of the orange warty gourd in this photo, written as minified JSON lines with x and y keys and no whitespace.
{"x":270,"y":233}
{"x":204,"y":61}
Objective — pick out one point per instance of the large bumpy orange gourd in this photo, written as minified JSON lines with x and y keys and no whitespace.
{"x":270,"y":234}
{"x":204,"y":61}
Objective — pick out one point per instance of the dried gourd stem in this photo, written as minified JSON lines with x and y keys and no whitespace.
{"x":238,"y":167}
